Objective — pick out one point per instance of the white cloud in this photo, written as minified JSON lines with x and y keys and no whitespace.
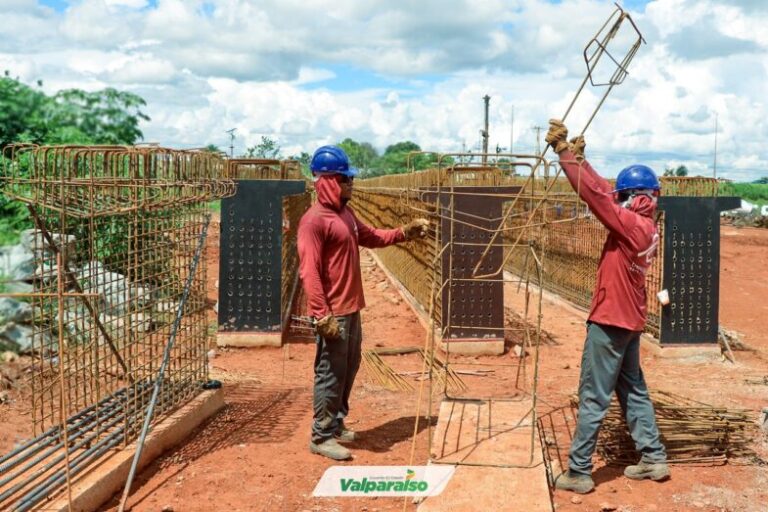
{"x":315,"y":71}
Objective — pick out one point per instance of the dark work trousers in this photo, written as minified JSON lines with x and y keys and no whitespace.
{"x":336,"y":365}
{"x":611,"y":362}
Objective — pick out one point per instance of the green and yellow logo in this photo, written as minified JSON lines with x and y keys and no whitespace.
{"x":408,"y":484}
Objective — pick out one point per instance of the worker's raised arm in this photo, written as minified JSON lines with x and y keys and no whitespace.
{"x":310,"y":246}
{"x":592,"y":188}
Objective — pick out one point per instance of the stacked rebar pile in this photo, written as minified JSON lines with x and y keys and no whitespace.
{"x":692,"y":432}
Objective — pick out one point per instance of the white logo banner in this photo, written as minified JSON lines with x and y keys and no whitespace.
{"x":363,"y":481}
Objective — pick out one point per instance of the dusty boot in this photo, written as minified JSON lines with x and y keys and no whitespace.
{"x":574,"y":482}
{"x":656,"y":471}
{"x":344,"y":435}
{"x":331,"y":449}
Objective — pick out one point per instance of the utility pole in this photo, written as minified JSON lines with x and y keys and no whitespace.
{"x":714,"y":166}
{"x":538,"y":139}
{"x":512,"y":132}
{"x":484,"y":132}
{"x":231,"y":142}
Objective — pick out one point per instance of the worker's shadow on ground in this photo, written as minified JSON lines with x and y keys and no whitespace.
{"x":253,"y":414}
{"x":382,"y":437}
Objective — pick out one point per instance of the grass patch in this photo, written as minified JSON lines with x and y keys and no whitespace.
{"x":756,"y":193}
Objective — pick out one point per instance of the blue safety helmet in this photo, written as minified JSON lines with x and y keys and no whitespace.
{"x":637,"y":176}
{"x":331,"y":160}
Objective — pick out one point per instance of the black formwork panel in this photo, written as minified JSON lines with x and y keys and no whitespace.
{"x":251,"y":255}
{"x":691,"y":273}
{"x":472,"y":308}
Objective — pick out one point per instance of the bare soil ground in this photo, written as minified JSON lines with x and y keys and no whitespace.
{"x":253,"y":456}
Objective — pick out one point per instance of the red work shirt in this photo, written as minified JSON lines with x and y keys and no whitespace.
{"x":329,"y":258}
{"x":619,"y":298}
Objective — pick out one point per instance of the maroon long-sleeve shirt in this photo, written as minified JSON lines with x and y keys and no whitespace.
{"x":329,"y":257}
{"x":619,"y":298}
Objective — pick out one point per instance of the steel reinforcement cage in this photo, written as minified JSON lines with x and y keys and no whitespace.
{"x":573,"y":238}
{"x":117,"y":230}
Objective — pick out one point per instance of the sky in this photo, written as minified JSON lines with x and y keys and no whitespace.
{"x":312,"y":72}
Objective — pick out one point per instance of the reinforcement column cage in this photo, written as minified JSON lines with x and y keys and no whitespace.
{"x":251,"y":291}
{"x":691,"y":273}
{"x":476,"y":305}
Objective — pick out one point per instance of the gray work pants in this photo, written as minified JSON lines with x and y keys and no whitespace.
{"x":611,"y":362}
{"x":336,"y":365}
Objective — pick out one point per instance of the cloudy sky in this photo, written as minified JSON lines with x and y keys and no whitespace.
{"x":308,"y":72}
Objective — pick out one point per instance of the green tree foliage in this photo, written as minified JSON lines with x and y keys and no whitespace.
{"x":361,"y":154}
{"x":304,"y":159}
{"x":268,"y":148}
{"x":678,"y":171}
{"x":71,"y":116}
{"x":105,"y":117}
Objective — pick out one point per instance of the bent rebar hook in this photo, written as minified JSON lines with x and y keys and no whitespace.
{"x":596,"y":48}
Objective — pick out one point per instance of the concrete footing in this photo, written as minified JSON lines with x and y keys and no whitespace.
{"x":249,"y":339}
{"x":492,"y":347}
{"x":688,"y":351}
{"x":99,"y":483}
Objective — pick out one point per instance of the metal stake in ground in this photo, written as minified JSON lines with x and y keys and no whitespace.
{"x":161,"y":371}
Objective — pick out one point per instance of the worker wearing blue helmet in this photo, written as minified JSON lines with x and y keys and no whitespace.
{"x":329,"y":238}
{"x":611,"y":357}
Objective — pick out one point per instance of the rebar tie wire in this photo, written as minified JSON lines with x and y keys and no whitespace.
{"x":161,"y":372}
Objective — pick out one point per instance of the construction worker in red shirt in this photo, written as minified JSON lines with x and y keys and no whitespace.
{"x":329,"y":237}
{"x":611,"y":358}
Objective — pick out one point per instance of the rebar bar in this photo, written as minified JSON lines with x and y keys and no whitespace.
{"x":148,"y":415}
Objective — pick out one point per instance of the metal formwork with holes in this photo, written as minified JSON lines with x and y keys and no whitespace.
{"x":258,"y":263}
{"x":251,"y":293}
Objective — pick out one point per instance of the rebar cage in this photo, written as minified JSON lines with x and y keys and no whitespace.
{"x":116,"y":231}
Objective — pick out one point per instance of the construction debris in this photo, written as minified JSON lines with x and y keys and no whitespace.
{"x":384,"y":375}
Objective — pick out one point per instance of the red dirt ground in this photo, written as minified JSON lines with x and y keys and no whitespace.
{"x":253,"y":456}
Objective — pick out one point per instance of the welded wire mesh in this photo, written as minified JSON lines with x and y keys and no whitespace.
{"x":116,"y":231}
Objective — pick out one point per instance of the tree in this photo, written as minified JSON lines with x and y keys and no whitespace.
{"x":304,"y":159}
{"x":213,"y":148}
{"x":21,"y":111}
{"x":268,"y":148}
{"x":678,"y":171}
{"x":71,"y":116}
{"x":106,"y":117}
{"x":361,"y":154}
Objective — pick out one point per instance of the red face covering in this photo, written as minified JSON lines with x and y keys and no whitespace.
{"x":329,"y":192}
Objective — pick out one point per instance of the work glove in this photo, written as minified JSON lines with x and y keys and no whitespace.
{"x":577,"y":147}
{"x":415,"y":228}
{"x":557,"y":136}
{"x":328,"y":327}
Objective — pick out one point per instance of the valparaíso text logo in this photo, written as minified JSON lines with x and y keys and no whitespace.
{"x":383,"y":481}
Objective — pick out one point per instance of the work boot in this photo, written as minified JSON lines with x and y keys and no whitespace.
{"x":344,"y":435}
{"x":656,"y":471}
{"x":574,"y":482}
{"x":331,"y":449}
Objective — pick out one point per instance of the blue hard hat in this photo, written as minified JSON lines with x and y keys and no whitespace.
{"x":637,"y":176}
{"x":331,"y":160}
